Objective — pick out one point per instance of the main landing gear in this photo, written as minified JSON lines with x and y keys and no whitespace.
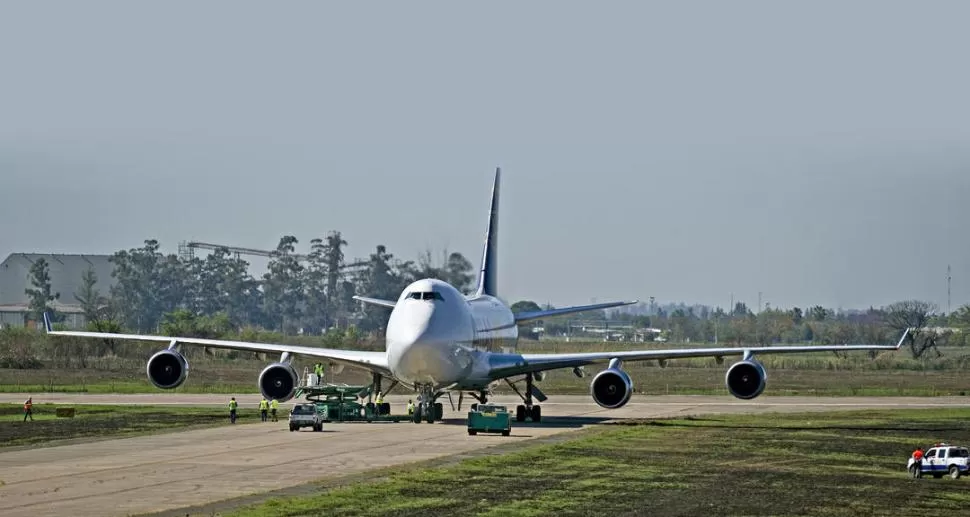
{"x":528,"y":410}
{"x":427,"y":408}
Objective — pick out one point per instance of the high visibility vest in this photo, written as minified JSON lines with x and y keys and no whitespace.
{"x":276,"y":404}
{"x":233,"y":404}
{"x":263,"y":404}
{"x":318,"y":369}
{"x":410,"y":408}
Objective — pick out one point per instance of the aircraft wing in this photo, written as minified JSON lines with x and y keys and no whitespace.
{"x":371,"y":361}
{"x":534,"y":315}
{"x":376,"y":301}
{"x":510,"y":364}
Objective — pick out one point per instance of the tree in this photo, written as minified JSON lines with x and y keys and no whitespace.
{"x":40,"y":295}
{"x":283,"y":287}
{"x":136,"y":288}
{"x":383,"y":278}
{"x":315,"y":281}
{"x":525,"y":306}
{"x":913,"y":315}
{"x":818,"y":313}
{"x":97,"y":309}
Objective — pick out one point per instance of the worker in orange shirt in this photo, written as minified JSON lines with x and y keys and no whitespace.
{"x":29,"y":409}
{"x":918,"y":463}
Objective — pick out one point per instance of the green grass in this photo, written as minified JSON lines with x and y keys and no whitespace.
{"x":828,"y":464}
{"x":104,"y":421}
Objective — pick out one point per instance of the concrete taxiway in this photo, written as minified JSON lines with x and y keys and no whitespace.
{"x":180,"y":469}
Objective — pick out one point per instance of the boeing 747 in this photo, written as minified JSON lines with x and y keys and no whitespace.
{"x":439,"y":340}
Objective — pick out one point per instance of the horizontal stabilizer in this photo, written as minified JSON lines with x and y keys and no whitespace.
{"x":534,"y":315}
{"x":376,"y":301}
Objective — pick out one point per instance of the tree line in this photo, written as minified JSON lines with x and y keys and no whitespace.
{"x":154,"y":291}
{"x":216,"y":295}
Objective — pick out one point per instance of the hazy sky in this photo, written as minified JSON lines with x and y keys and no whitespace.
{"x":815,"y":151}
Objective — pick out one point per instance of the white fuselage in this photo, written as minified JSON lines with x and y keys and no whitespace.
{"x":438,"y":337}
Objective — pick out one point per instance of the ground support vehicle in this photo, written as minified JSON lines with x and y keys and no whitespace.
{"x":305,"y":415}
{"x":339,"y":403}
{"x":944,"y":459}
{"x":489,"y":418}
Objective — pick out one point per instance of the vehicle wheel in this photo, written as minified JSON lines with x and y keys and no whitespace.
{"x":472,"y":432}
{"x":954,"y":471}
{"x":292,"y":429}
{"x":506,"y":433}
{"x":429,"y":413}
{"x":416,"y":417}
{"x":318,"y":427}
{"x":536,"y":414}
{"x":520,"y":413}
{"x":387,"y":408}
{"x":439,"y":411}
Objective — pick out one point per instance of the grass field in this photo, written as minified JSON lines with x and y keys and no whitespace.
{"x":104,"y":421}
{"x":825,"y":464}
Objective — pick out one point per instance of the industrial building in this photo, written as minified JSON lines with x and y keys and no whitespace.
{"x":65,"y":276}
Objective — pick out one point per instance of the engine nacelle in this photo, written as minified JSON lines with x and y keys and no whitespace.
{"x":167,"y":369}
{"x":278,"y":381}
{"x":611,"y":388}
{"x":746,"y":379}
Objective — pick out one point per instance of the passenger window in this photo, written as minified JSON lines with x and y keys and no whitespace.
{"x":931,"y":454}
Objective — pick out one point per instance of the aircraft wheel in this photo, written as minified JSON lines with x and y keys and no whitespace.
{"x":416,"y":417}
{"x":536,"y":414}
{"x":520,"y":413}
{"x":439,"y":411}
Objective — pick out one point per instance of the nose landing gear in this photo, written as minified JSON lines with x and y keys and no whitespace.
{"x":427,"y":407}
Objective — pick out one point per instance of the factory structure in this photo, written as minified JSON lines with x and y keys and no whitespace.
{"x":65,"y":272}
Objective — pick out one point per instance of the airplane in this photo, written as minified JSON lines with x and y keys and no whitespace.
{"x":439,"y":341}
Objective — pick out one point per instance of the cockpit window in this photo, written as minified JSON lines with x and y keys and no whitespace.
{"x":425,"y":295}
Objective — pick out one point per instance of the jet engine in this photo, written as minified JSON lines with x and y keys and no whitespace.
{"x":278,"y":381}
{"x":746,"y":379}
{"x":611,"y":388}
{"x":167,"y":369}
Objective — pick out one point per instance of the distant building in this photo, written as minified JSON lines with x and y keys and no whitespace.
{"x":65,"y":274}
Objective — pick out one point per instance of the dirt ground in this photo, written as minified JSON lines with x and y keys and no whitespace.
{"x":176,"y":470}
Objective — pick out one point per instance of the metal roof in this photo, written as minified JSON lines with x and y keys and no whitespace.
{"x":65,"y":273}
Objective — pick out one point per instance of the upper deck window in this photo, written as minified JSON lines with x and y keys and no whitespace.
{"x":425,"y":295}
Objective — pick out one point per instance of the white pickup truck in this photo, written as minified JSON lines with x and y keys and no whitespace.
{"x":305,"y":415}
{"x":944,"y":459}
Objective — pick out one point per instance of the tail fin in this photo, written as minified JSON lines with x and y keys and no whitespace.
{"x":487,"y":275}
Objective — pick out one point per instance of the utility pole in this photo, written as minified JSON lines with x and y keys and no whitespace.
{"x":947,"y":289}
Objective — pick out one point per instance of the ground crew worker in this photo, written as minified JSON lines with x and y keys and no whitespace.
{"x":380,"y":403}
{"x":318,"y":369}
{"x":410,"y":407}
{"x":263,"y":408}
{"x":29,"y":409}
{"x":274,"y":406}
{"x":232,"y":410}
{"x":918,"y":463}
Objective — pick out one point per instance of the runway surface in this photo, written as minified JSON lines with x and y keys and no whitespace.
{"x":175,"y":470}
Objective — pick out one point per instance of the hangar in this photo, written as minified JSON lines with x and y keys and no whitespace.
{"x":65,"y":271}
